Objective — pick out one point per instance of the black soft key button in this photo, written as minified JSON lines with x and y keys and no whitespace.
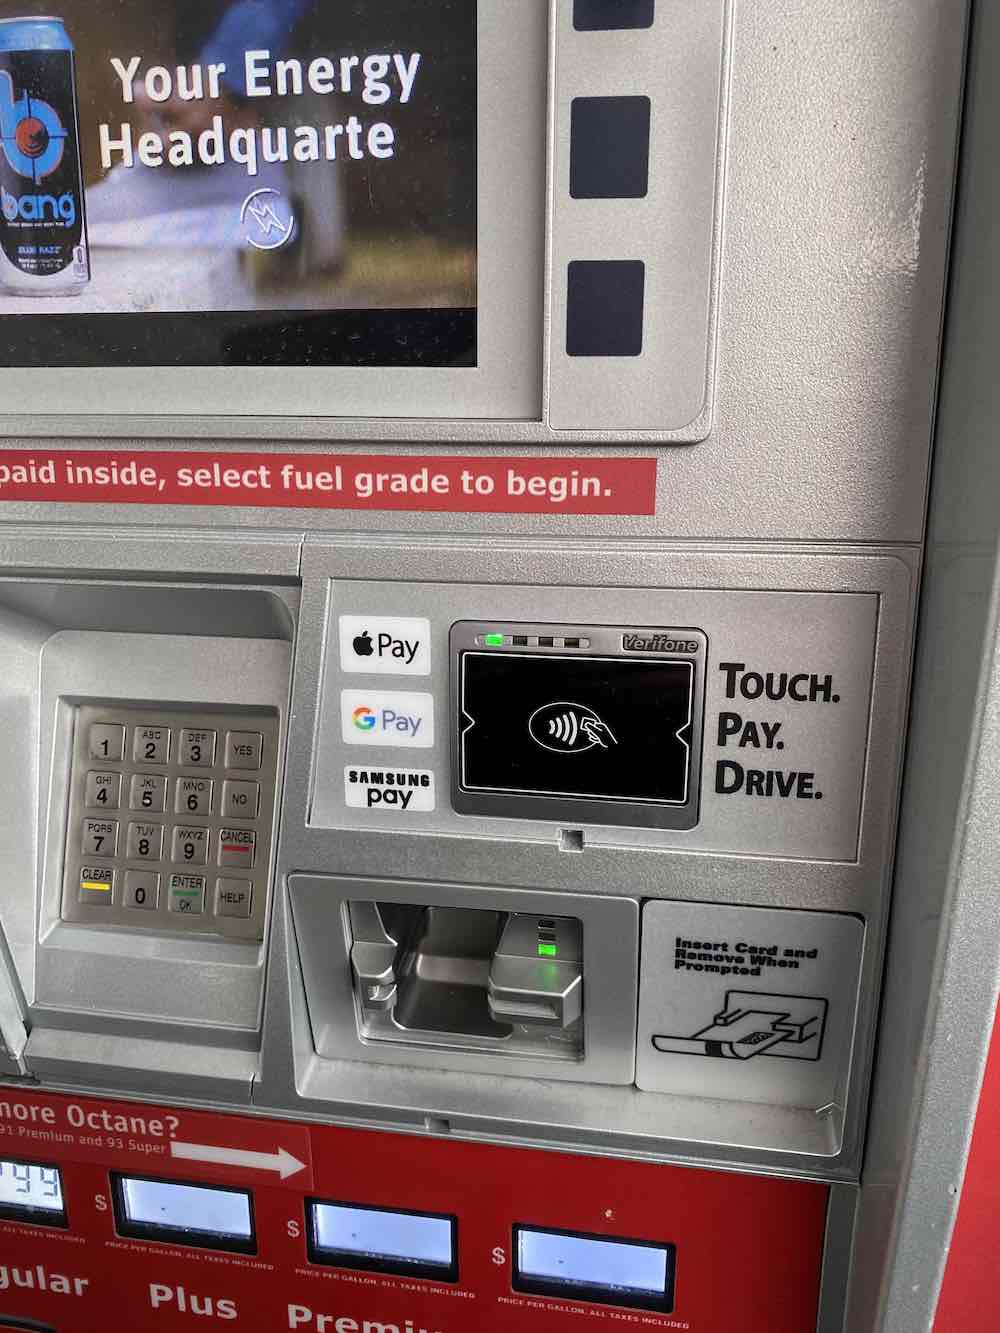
{"x":605,"y":300}
{"x":609,"y":147}
{"x":591,"y":728}
{"x":612,"y":15}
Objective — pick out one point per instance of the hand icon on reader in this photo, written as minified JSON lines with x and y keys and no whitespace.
{"x":790,"y":1027}
{"x":597,"y":731}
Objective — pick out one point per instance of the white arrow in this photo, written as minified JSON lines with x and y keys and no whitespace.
{"x":283,"y":1162}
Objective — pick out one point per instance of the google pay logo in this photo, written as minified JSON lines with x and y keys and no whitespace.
{"x":393,"y":719}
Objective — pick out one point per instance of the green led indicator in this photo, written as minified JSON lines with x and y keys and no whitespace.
{"x":548,"y":951}
{"x":494,"y":641}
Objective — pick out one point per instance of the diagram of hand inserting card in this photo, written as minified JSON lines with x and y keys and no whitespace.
{"x":789,"y":1027}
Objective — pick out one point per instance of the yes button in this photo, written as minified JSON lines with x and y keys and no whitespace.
{"x":385,"y":645}
{"x":386,"y":717}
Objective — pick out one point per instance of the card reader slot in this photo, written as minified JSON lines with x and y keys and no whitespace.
{"x":467,"y":977}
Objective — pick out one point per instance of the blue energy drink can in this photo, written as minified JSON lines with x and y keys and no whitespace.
{"x":43,"y":224}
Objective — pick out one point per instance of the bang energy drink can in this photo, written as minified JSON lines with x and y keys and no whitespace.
{"x":43,"y":225}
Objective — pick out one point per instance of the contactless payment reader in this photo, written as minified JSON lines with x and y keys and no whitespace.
{"x":596,"y":724}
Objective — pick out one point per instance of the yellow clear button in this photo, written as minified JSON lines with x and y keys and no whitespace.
{"x":97,"y":885}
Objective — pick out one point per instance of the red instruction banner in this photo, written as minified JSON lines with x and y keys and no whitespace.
{"x":611,"y":486}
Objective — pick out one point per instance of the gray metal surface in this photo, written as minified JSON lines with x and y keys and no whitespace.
{"x":843,"y":129}
{"x":817,"y":647}
{"x":681,"y":64}
{"x":943,"y":963}
{"x":692,"y":1128}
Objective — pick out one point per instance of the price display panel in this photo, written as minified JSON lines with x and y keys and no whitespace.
{"x":202,"y":1216}
{"x":31,"y":1192}
{"x":606,"y":1270}
{"x":376,"y":1240}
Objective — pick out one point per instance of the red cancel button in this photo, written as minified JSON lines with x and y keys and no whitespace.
{"x":237,"y":847}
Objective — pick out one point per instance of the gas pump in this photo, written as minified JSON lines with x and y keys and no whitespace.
{"x":488,"y":845}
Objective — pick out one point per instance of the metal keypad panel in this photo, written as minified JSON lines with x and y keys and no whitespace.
{"x":170,"y":818}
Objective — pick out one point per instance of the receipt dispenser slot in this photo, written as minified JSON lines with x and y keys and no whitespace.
{"x":468,"y":977}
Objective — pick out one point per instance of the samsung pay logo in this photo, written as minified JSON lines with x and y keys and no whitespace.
{"x":410,"y":789}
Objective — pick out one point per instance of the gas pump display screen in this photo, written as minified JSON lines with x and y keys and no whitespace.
{"x":602,"y":729}
{"x":32,"y":1193}
{"x":591,"y":1268}
{"x":373,"y":1239}
{"x":239,"y":182}
{"x":206,"y":1216}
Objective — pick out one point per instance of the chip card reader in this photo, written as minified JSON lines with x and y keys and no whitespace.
{"x":468,"y":978}
{"x":537,"y":972}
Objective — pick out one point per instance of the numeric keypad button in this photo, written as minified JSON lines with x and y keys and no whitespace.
{"x":142,"y":890}
{"x":196,"y":748}
{"x":193,"y":796}
{"x":148,"y":792}
{"x":190,"y":845}
{"x":145,"y":842}
{"x":106,"y":741}
{"x":151,"y":745}
{"x":100,"y":837}
{"x":104,"y":791}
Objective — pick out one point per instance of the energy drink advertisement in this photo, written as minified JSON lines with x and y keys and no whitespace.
{"x":43,"y":227}
{"x":239,"y":182}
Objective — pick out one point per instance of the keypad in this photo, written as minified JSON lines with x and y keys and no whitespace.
{"x":170,"y":818}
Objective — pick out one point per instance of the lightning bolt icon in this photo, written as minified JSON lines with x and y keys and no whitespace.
{"x":265,"y":217}
{"x":273,"y":231}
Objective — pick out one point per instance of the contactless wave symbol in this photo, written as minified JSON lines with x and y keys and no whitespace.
{"x":568,"y":728}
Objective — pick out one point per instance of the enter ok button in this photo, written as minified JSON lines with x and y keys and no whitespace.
{"x":240,"y":800}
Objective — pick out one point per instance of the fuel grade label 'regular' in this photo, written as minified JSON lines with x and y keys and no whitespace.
{"x":603,"y":737}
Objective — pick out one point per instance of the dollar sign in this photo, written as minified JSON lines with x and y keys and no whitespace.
{"x":499,"y":1256}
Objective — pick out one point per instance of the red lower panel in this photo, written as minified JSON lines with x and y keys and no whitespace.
{"x":968,"y":1297}
{"x":748,"y":1250}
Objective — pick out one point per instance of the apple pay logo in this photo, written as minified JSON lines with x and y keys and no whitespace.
{"x":385,"y":645}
